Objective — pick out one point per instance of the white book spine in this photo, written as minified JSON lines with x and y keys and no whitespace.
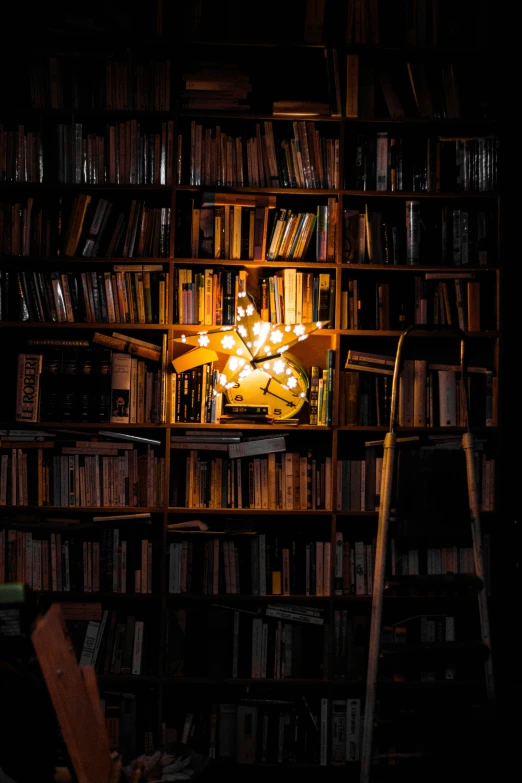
{"x":89,"y":642}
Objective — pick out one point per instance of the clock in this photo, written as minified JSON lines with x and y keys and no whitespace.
{"x":284,"y":390}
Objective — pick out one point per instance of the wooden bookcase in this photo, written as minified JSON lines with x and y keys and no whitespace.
{"x":297,"y":66}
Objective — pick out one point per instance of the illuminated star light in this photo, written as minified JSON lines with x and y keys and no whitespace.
{"x":249,"y":338}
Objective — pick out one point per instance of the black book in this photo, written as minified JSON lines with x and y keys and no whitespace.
{"x":50,"y":383}
{"x":96,"y":297}
{"x":103,"y":298}
{"x":40,"y":290}
{"x":228,"y":296}
{"x":69,"y":384}
{"x":102,"y":394}
{"x":27,"y":311}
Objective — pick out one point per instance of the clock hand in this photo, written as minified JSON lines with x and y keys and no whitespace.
{"x":265,"y":391}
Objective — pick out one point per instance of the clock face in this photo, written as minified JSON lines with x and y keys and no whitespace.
{"x":285,"y":397}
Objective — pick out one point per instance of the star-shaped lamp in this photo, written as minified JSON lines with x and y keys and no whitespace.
{"x":252,"y":344}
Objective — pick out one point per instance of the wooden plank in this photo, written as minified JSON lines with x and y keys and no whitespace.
{"x":72,"y":699}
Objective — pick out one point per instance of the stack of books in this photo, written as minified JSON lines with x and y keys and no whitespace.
{"x":218,"y":87}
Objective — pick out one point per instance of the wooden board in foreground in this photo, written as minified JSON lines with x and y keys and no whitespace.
{"x":75,"y":699}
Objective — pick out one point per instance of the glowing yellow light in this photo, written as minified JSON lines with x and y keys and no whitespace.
{"x":279,"y":366}
{"x":276,"y":336}
{"x":266,"y":349}
{"x":183,"y":338}
{"x":289,"y":371}
{"x":229,"y":385}
{"x":249,"y":345}
{"x":299,"y":329}
{"x":223,"y":379}
{"x":287,"y":328}
{"x":303,"y":337}
{"x":318,"y":325}
{"x":239,"y":351}
{"x":228,"y":342}
{"x":204,"y":340}
{"x":233,"y":363}
{"x":256,"y":329}
{"x":266,"y":365}
{"x":241,"y":311}
{"x":250,"y":310}
{"x":303,"y":394}
{"x":242,"y":331}
{"x":292,"y":383}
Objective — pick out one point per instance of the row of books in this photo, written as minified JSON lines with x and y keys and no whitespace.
{"x":28,"y":477}
{"x":250,"y":564}
{"x":209,"y":297}
{"x":111,"y":642}
{"x":257,"y":730}
{"x":101,"y":229}
{"x":234,"y":231}
{"x":458,"y":237}
{"x":211,"y":86}
{"x":21,"y":155}
{"x":364,"y":400}
{"x":84,"y":227}
{"x":359,"y":481}
{"x":290,"y":481}
{"x":408,"y":561}
{"x":66,"y":381}
{"x":293,"y":297}
{"x":123,"y":296}
{"x":142,"y":232}
{"x":350,"y":642}
{"x":306,"y":159}
{"x":389,"y":163}
{"x":291,"y":233}
{"x":248,"y":643}
{"x":238,"y":232}
{"x":193,"y":397}
{"x":321,"y":391}
{"x":421,"y":628}
{"x":436,"y":23}
{"x":123,"y":155}
{"x":431,"y":394}
{"x":435,"y":299}
{"x":68,"y":82}
{"x":413,"y":90}
{"x":64,"y":562}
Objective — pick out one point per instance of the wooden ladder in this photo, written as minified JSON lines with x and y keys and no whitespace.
{"x":388,"y":464}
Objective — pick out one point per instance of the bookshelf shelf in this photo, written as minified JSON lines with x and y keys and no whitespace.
{"x":252,"y":511}
{"x":70,"y":187}
{"x":186,"y":245}
{"x":421,"y":195}
{"x":89,"y":325}
{"x":256,"y":264}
